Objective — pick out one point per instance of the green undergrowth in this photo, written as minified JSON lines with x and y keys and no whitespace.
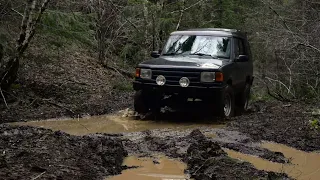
{"x":260,"y":96}
{"x":68,"y":28}
{"x":123,"y":85}
{"x":315,"y":124}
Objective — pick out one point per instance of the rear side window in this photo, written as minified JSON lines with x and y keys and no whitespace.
{"x":239,"y":47}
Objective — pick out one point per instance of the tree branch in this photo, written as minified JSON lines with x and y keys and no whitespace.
{"x":24,"y":22}
{"x":17,"y":12}
{"x":4,"y":99}
{"x":123,"y":72}
{"x":181,"y":15}
{"x":188,"y":7}
{"x":310,"y":46}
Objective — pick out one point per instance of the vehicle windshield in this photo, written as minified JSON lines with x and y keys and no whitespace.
{"x":216,"y":47}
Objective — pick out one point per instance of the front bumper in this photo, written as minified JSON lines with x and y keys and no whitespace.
{"x":191,"y":91}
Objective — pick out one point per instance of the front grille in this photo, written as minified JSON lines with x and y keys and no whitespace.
{"x":173,"y":76}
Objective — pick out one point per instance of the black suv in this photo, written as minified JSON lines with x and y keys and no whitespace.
{"x":211,"y":65}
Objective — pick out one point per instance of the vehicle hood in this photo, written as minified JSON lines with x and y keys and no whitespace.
{"x":184,"y":61}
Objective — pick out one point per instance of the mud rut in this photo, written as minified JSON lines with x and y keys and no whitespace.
{"x":36,"y":153}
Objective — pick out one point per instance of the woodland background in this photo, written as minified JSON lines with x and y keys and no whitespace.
{"x":77,"y":57}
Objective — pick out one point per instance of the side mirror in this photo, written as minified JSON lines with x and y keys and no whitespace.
{"x":242,"y":58}
{"x":155,"y":54}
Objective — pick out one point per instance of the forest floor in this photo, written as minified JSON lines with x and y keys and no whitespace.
{"x":72,"y":84}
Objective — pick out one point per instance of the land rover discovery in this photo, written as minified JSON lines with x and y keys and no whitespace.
{"x":212,"y":65}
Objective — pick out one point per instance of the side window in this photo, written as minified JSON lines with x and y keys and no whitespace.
{"x":239,"y":47}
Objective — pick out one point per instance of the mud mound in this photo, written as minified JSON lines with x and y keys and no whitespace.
{"x":206,"y":160}
{"x":28,"y":152}
{"x":224,"y":167}
{"x":257,"y":151}
{"x":282,"y":123}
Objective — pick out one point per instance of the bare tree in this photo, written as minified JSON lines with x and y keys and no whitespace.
{"x":107,"y":23}
{"x":289,"y":36}
{"x":1,"y":54}
{"x":32,"y":15}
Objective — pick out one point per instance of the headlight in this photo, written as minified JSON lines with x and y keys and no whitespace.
{"x":145,"y":73}
{"x":208,"y":77}
{"x":161,"y":80}
{"x":184,"y":82}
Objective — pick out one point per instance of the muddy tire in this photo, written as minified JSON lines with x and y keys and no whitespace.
{"x":145,"y":102}
{"x":140,"y":102}
{"x":226,"y":106}
{"x":243,"y":99}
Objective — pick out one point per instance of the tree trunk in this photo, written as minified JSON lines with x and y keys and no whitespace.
{"x":220,"y":13}
{"x":102,"y":46}
{"x":30,"y":19}
{"x":101,"y":32}
{"x":1,"y":55}
{"x":145,"y":20}
{"x":10,"y":73}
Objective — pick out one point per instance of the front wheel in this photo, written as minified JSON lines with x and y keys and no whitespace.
{"x":226,"y":106}
{"x":145,"y":102}
{"x":140,"y":102}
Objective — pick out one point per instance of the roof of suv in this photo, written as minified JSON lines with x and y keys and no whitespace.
{"x":211,"y":32}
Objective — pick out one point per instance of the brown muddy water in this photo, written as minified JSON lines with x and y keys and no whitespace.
{"x":113,"y":124}
{"x":303,"y":166}
{"x":159,"y":168}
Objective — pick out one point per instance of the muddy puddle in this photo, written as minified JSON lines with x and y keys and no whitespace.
{"x":115,"y":124}
{"x":159,"y":168}
{"x":303,"y":166}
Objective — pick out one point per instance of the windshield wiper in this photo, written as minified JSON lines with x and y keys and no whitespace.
{"x":203,"y":54}
{"x":171,"y":54}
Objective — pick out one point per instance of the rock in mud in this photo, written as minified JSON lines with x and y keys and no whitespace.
{"x":28,"y":152}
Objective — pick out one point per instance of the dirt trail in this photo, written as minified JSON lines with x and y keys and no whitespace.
{"x":210,"y":150}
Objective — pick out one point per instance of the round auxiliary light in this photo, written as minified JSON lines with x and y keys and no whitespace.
{"x":161,"y":80}
{"x":184,"y":82}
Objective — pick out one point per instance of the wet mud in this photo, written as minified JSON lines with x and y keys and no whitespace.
{"x":287,"y":124}
{"x":174,"y":143}
{"x":195,"y":149}
{"x":156,"y":168}
{"x":35,"y":153}
{"x":303,"y":166}
{"x":207,"y":148}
